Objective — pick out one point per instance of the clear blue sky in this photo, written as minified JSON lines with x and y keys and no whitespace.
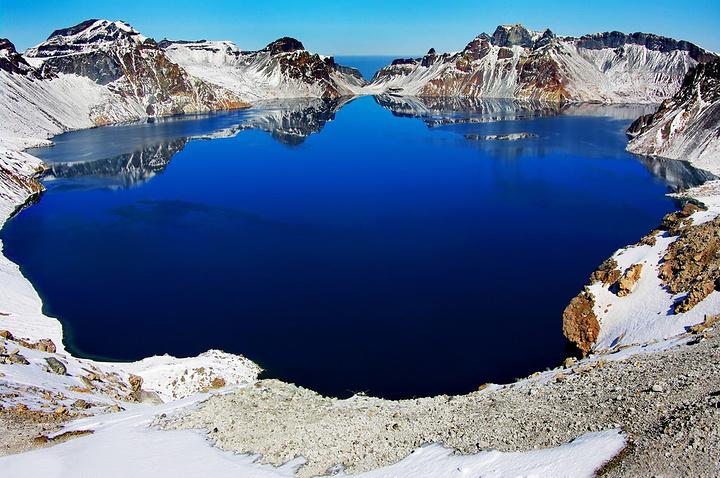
{"x":364,"y":26}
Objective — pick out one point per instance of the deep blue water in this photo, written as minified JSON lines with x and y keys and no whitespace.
{"x":368,"y":65}
{"x":367,"y":253}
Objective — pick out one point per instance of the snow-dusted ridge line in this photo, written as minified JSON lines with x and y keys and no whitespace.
{"x":514,"y":62}
{"x":283,"y":69}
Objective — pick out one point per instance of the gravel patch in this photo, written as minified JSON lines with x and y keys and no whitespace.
{"x":668,"y":402}
{"x":19,"y":430}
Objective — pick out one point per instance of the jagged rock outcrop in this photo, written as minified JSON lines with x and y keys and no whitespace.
{"x":676,"y":221}
{"x":626,"y":282}
{"x":580,"y":324}
{"x":283,"y":69}
{"x":686,"y":126}
{"x":516,"y":62}
{"x":607,"y":273}
{"x":666,"y":284}
{"x":131,"y":66}
{"x":692,"y":264}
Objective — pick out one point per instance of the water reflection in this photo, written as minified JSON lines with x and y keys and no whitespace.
{"x":139,"y":152}
{"x":128,"y":155}
{"x":678,"y":175}
{"x":121,"y":171}
{"x":437,"y":111}
{"x":292,"y":122}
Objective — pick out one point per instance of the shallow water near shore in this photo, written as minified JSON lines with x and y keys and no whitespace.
{"x":345,"y":246}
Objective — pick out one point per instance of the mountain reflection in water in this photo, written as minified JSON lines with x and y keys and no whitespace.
{"x":291,"y":122}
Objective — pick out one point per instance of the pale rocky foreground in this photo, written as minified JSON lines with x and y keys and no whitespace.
{"x":668,"y":401}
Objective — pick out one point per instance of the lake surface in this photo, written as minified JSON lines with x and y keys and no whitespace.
{"x":346,"y":246}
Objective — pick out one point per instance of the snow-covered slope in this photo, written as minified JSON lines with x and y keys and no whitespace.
{"x":686,"y":126}
{"x":283,"y":69}
{"x":518,"y":63}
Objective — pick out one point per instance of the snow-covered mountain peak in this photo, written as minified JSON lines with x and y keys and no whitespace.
{"x":511,"y":35}
{"x":284,"y":45}
{"x":137,"y":77}
{"x":90,"y":34}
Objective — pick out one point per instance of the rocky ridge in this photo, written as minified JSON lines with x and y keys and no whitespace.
{"x":284,"y":68}
{"x":13,"y":62}
{"x":515,"y":62}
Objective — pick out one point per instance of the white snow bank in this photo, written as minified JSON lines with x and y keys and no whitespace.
{"x":123,"y":446}
{"x":175,"y":378}
{"x":579,"y":458}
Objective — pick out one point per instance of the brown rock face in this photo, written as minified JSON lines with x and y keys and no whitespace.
{"x":607,"y":273}
{"x":284,"y":45}
{"x":135,"y":382}
{"x":505,"y":53}
{"x":692,"y":264}
{"x":580,"y":325}
{"x":540,"y":79}
{"x":43,"y":345}
{"x":627,"y":282}
{"x":710,"y":321}
{"x":675,"y":221}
